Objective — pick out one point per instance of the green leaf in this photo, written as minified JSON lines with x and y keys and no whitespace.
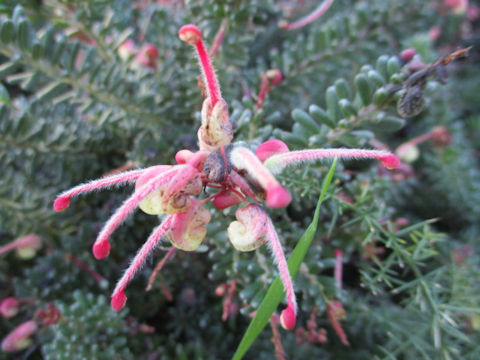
{"x":4,"y":96}
{"x":363,"y":89}
{"x":275,"y":292}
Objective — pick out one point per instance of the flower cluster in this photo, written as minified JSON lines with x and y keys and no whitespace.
{"x":239,"y":176}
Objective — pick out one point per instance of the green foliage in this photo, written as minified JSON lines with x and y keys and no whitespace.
{"x":72,"y":108}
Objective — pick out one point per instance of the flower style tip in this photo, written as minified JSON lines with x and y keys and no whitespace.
{"x":278,"y":197}
{"x":118,"y":300}
{"x":101,"y":249}
{"x":390,"y":161}
{"x":61,"y":203}
{"x":190,"y":34}
{"x":288,"y":318}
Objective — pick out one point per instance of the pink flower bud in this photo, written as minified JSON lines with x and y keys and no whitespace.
{"x":9,"y":307}
{"x":147,"y":56}
{"x":408,"y":54}
{"x":275,"y":76}
{"x":19,"y":338}
{"x":441,"y":137}
{"x":127,"y":49}
{"x":435,"y":33}
{"x":26,"y":246}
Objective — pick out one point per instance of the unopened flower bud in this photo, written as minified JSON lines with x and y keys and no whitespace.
{"x":127,"y":49}
{"x":147,"y":56}
{"x":19,"y":338}
{"x":9,"y":307}
{"x":408,"y":54}
{"x":408,"y":152}
{"x":441,"y":137}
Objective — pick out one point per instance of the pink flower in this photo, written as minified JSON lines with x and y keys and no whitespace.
{"x":458,"y":6}
{"x":19,"y":338}
{"x":26,"y":246}
{"x":239,"y":176}
{"x":9,"y":307}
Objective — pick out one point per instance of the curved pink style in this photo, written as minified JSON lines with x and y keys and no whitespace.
{"x":288,"y":315}
{"x":101,"y":248}
{"x":278,"y":162}
{"x":118,"y":297}
{"x":193,"y":36}
{"x":314,"y":15}
{"x":63,"y":200}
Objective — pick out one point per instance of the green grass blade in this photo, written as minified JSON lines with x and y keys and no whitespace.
{"x":275,"y":293}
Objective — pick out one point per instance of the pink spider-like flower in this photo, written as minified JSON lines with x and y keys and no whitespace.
{"x":242,"y":176}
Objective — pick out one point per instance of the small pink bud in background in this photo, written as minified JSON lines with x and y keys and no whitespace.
{"x":473,"y":13}
{"x":19,"y":338}
{"x":127,"y":49}
{"x":458,"y":6}
{"x":401,"y":222}
{"x":275,"y":76}
{"x":48,"y":316}
{"x":408,"y":152}
{"x":408,"y":54}
{"x":435,"y":33}
{"x":336,"y":313}
{"x":221,"y":289}
{"x":441,"y":137}
{"x":461,"y":254}
{"x":26,"y":246}
{"x":147,"y":56}
{"x":9,"y":307}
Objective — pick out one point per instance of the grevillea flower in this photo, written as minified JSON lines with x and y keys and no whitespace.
{"x":19,"y":338}
{"x":239,"y":175}
{"x":9,"y":307}
{"x":26,"y":246}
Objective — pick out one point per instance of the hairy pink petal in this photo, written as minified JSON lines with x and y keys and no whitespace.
{"x":118,"y":297}
{"x":101,"y":247}
{"x":277,"y":196}
{"x":277,"y":163}
{"x":63,"y":200}
{"x":269,"y":148}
